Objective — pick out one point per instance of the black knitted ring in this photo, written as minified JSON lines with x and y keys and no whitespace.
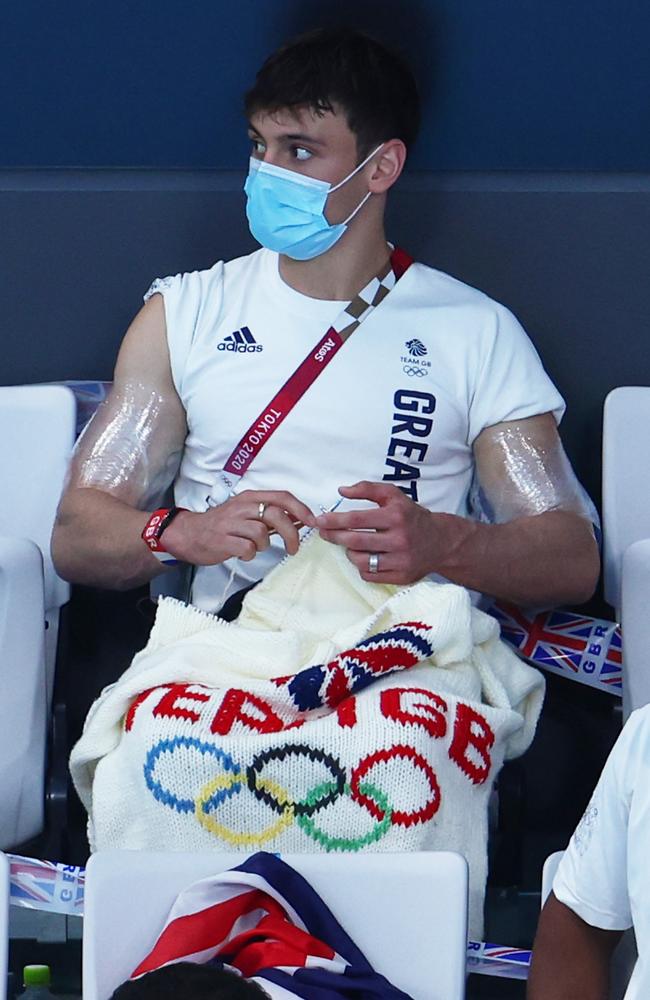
{"x":300,"y":750}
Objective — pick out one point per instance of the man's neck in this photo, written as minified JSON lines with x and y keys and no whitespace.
{"x":342,"y":271}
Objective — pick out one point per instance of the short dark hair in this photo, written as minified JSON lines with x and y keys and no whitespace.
{"x":339,"y":66}
{"x":189,"y":981}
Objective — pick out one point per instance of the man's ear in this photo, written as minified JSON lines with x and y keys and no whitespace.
{"x":387,"y":166}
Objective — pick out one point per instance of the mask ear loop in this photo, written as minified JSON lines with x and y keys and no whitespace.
{"x":356,"y":170}
{"x":357,"y":209}
{"x":346,"y":179}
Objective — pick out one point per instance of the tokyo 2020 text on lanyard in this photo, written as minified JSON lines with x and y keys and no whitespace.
{"x":356,"y":311}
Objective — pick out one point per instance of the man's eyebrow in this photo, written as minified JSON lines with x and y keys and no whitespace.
{"x":303,"y":137}
{"x":290,"y":137}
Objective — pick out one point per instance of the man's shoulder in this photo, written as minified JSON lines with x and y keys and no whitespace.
{"x":468,"y":309}
{"x":636,"y":730}
{"x":247,"y":265}
{"x":203,"y":279}
{"x":629,"y":759}
{"x":446,"y":290}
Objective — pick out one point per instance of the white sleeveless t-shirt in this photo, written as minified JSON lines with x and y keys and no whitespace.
{"x":402,"y":402}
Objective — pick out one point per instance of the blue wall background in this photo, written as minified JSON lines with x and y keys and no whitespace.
{"x":509,"y":84}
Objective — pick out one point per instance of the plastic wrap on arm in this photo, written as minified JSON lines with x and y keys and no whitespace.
{"x":131,"y":448}
{"x":523,"y":470}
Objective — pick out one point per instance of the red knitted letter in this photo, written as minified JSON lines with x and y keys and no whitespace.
{"x":135,"y":705}
{"x":432,"y":711}
{"x":168,"y":709}
{"x":232,"y":709}
{"x":471,"y":730}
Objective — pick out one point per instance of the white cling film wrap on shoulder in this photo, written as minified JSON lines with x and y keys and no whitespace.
{"x":527,"y":472}
{"x":126,"y":449}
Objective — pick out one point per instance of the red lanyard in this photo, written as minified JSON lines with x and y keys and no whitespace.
{"x":308,"y":371}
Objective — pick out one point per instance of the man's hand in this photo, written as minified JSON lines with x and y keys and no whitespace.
{"x":409,"y":540}
{"x":537,"y":561}
{"x":235,"y":527}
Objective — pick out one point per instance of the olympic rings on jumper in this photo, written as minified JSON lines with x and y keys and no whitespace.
{"x":168,"y":746}
{"x":333,"y":789}
{"x":207,"y":801}
{"x":400,"y":818}
{"x":233,"y":779}
{"x":414,"y":370}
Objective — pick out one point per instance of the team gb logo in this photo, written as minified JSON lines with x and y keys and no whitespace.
{"x":416,"y":347}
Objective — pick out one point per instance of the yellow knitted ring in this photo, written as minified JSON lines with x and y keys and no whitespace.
{"x":227,"y":780}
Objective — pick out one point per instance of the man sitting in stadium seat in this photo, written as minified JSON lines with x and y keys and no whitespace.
{"x":439,"y":387}
{"x":361,"y":374}
{"x":601,"y":886}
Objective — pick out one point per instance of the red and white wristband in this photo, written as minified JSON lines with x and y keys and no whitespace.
{"x":152,"y":532}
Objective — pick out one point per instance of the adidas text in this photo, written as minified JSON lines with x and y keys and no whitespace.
{"x":239,"y":348}
{"x":240,"y":342}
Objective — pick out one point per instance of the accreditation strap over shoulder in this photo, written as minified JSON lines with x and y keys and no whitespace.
{"x":356,"y":311}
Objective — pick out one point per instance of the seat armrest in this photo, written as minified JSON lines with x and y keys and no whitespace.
{"x":23,"y":724}
{"x":4,"y":923}
{"x":635,"y":625}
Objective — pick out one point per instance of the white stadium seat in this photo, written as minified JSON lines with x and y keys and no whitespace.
{"x":406,"y":912}
{"x":626,"y":521}
{"x":37,"y":432}
{"x":4,"y":924}
{"x":635,"y":623}
{"x":23,"y":697}
{"x":37,"y":426}
{"x":626,"y":479}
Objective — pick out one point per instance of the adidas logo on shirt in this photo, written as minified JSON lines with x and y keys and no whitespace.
{"x":241,"y":341}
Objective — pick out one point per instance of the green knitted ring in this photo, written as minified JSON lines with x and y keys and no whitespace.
{"x":345,"y":843}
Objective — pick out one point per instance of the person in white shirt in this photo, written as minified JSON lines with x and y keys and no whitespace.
{"x":437,"y":389}
{"x":601,"y":887}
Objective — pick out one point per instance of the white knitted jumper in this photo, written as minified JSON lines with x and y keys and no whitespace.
{"x":334,"y":715}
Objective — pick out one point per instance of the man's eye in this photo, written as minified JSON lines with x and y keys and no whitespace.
{"x":258,"y":147}
{"x":300,"y":153}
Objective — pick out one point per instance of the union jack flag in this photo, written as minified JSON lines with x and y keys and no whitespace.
{"x":398,"y":648}
{"x":577,"y":646}
{"x":498,"y":953}
{"x":45,"y":885}
{"x":497,"y":960}
{"x":263,"y":920}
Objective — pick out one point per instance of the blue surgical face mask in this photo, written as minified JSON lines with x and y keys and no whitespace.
{"x":286,"y":210}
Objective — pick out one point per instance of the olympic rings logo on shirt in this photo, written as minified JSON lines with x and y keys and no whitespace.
{"x":414,"y":370}
{"x":232,"y":780}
